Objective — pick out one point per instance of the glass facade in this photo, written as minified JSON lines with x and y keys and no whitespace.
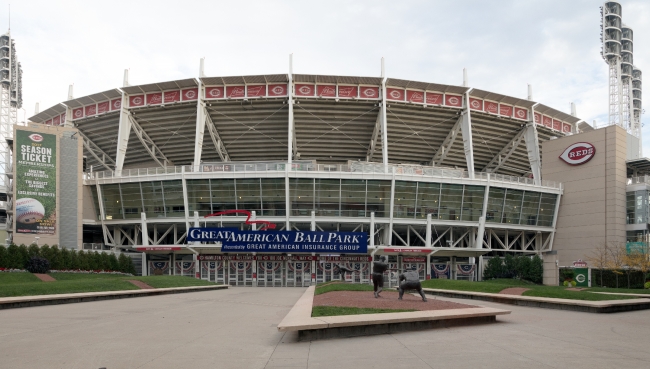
{"x":637,"y":207}
{"x":338,"y":198}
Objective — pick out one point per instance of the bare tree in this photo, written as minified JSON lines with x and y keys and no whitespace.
{"x":639,"y":260}
{"x":599,"y":258}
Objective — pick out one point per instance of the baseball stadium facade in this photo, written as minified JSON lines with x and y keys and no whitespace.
{"x":438,"y":176}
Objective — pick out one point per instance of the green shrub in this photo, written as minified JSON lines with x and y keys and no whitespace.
{"x":55,"y":258}
{"x":38,"y":265}
{"x":123,"y":262}
{"x":637,"y":278}
{"x":33,"y":250}
{"x":23,"y":256}
{"x":494,"y":268}
{"x":113,"y":263}
{"x":522,"y":267}
{"x":646,"y":285}
{"x":3,"y":257}
{"x":566,"y":274}
{"x":536,"y":273}
{"x":82,"y":260}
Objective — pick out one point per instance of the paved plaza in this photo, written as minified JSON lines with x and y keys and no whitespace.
{"x":237,"y":328}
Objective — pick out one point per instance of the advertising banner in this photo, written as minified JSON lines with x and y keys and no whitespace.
{"x":35,"y":182}
{"x":282,"y":241}
{"x":582,"y":277}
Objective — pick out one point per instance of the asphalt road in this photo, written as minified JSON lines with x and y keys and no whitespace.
{"x":236,"y":328}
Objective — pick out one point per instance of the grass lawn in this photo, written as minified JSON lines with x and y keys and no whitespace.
{"x":497,"y":285}
{"x":26,"y":284}
{"x":341,"y":286}
{"x":317,"y":311}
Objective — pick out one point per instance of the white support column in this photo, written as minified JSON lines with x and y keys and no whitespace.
{"x":466,"y":131}
{"x":145,"y":269}
{"x":384,"y":123}
{"x":290,"y":138}
{"x":145,"y":232}
{"x":287,"y":200}
{"x":313,"y":221}
{"x":388,"y":234}
{"x":532,"y":147}
{"x":557,"y":208}
{"x":200,"y":123}
{"x":124,"y":130}
{"x":428,"y":233}
{"x":478,"y":242}
{"x":372,"y":230}
{"x":68,"y":111}
{"x":185,"y":202}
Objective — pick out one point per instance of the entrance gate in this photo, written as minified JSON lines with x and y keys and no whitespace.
{"x":298,"y":273}
{"x":270,"y":270}
{"x":240,"y":273}
{"x":325,"y":271}
{"x":417,"y":263}
{"x":214,"y":271}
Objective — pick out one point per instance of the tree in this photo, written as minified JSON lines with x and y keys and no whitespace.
{"x":55,"y":257}
{"x":23,"y":256}
{"x":64,"y":259}
{"x":494,"y":268}
{"x":616,"y":258}
{"x":509,"y":266}
{"x":124,"y":262}
{"x":640,"y":261}
{"x":3,"y":257}
{"x":536,"y":270}
{"x":599,"y":258}
{"x":522,"y":267}
{"x":33,"y":250}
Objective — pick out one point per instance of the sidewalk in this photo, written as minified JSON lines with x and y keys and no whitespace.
{"x":69,"y":298}
{"x":611,"y":306}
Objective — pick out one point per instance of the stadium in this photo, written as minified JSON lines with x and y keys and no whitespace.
{"x":437,"y":175}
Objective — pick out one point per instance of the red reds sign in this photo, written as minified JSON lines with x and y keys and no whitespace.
{"x":103,"y":107}
{"x":277,"y":90}
{"x":452,"y":100}
{"x":214,"y":93}
{"x":394,"y":94}
{"x":369,"y":92}
{"x":475,"y":104}
{"x":578,"y":153}
{"x":304,"y":90}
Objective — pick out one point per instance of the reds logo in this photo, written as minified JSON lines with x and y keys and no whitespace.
{"x":190,"y":94}
{"x":475,"y":104}
{"x":35,"y":137}
{"x":395,"y":94}
{"x":305,"y":90}
{"x":369,"y":92}
{"x":137,"y":100}
{"x":578,"y":153}
{"x":520,"y":113}
{"x":278,"y":90}
{"x":78,"y":113}
{"x":117,"y":104}
{"x":214,"y":92}
{"x":454,"y":100}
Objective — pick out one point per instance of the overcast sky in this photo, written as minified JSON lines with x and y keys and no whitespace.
{"x":553,"y":45}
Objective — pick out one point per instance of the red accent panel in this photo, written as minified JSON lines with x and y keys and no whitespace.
{"x":475,"y":104}
{"x":415,"y":96}
{"x":278,"y":90}
{"x":256,"y":91}
{"x":557,"y":125}
{"x":233,"y":92}
{"x":434,"y":98}
{"x":326,"y":90}
{"x":214,"y":93}
{"x":369,"y":92}
{"x":137,"y":100}
{"x":492,"y":107}
{"x":103,"y":107}
{"x":521,"y":113}
{"x":116,"y":104}
{"x":56,"y":120}
{"x":172,"y":96}
{"x":454,"y":100}
{"x":48,"y":122}
{"x":505,"y":110}
{"x":154,"y":98}
{"x":538,"y":118}
{"x":348,"y":92}
{"x":566,"y":128}
{"x":90,"y":110}
{"x":190,"y":94}
{"x":305,"y":90}
{"x":548,"y":122}
{"x":395,"y":94}
{"x":77,"y":113}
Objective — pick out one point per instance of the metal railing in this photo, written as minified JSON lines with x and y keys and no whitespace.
{"x":95,"y":246}
{"x":638,"y":180}
{"x":308,"y":166}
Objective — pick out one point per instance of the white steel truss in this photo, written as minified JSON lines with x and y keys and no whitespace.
{"x":102,"y":157}
{"x":442,"y":152}
{"x":216,"y":139}
{"x":502,"y":157}
{"x":375,"y":136}
{"x":615,"y":111}
{"x":151,"y":147}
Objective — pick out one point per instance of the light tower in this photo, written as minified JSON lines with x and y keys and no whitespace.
{"x":624,"y":78}
{"x":11,"y":99}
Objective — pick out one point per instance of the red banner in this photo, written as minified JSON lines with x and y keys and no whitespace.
{"x":346,"y":258}
{"x":475,"y":104}
{"x":154,"y":98}
{"x":172,"y":96}
{"x":348,"y":92}
{"x":492,"y":107}
{"x":48,"y":122}
{"x":278,"y":90}
{"x":62,"y":118}
{"x":434,"y":98}
{"x":116,"y":104}
{"x":414,"y":259}
{"x":521,"y":113}
{"x":56,"y":120}
{"x":538,"y":118}
{"x":256,"y":91}
{"x":214,"y":93}
{"x":103,"y":107}
{"x":137,"y":100}
{"x":190,"y":94}
{"x":305,"y":90}
{"x":158,"y":248}
{"x":548,"y":122}
{"x":234,"y":92}
{"x":303,"y":257}
{"x":557,"y":125}
{"x":505,"y":110}
{"x":367,"y":92}
{"x":394,"y":94}
{"x":77,"y":113}
{"x":272,"y":257}
{"x":90,"y":110}
{"x":415,"y":96}
{"x":454,"y":100}
{"x":566,"y":128}
{"x":326,"y":90}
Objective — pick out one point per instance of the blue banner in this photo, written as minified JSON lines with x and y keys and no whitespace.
{"x":234,"y":240}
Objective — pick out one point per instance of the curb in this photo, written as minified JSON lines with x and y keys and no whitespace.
{"x":71,"y":298}
{"x":609,"y":306}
